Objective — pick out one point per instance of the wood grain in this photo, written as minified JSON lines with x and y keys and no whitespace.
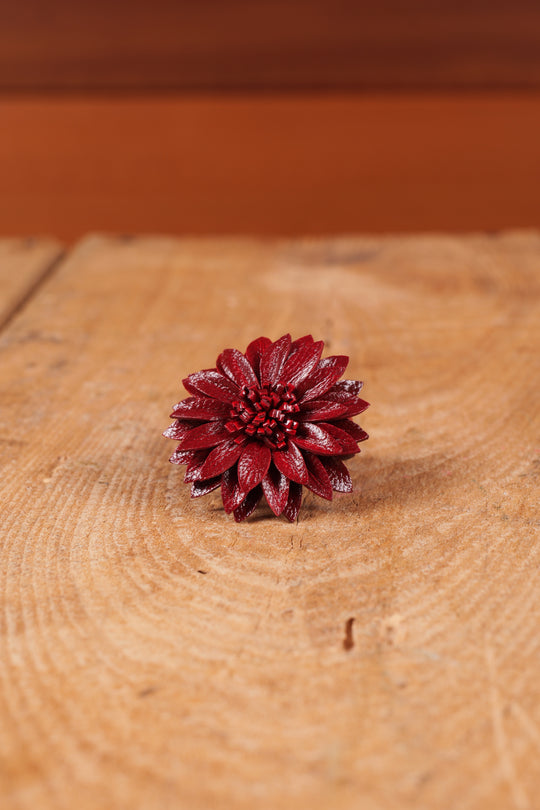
{"x":270,"y":44}
{"x":23,"y":264}
{"x":383,"y":652}
{"x":273,"y":165}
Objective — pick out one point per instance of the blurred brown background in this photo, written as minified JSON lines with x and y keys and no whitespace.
{"x":289,"y":116}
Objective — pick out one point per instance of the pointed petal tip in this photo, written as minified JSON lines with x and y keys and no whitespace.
{"x":291,"y":463}
{"x":248,"y":505}
{"x":221,"y":458}
{"x":236,"y":366}
{"x":211,"y":383}
{"x":303,"y":341}
{"x":199,"y":488}
{"x":276,"y":490}
{"x":274,"y":359}
{"x":338,"y":473}
{"x":293,"y":503}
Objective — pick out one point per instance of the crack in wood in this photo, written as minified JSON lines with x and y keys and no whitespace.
{"x":49,"y":269}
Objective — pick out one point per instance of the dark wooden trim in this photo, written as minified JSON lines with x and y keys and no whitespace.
{"x":268,"y":44}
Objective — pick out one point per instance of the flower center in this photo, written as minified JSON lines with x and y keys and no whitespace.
{"x":265,"y":413}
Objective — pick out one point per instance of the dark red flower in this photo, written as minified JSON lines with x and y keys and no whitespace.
{"x":268,"y":422}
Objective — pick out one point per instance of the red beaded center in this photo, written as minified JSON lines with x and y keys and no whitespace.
{"x":265,"y":414}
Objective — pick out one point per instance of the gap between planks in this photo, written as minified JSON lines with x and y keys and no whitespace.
{"x":33,"y":275}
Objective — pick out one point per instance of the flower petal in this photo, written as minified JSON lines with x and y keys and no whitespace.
{"x":237,"y":368}
{"x":194,"y":466}
{"x":231,"y":494}
{"x":321,"y":409}
{"x":291,"y":463}
{"x":276,"y":489}
{"x":273,"y":359}
{"x":202,"y":408}
{"x":319,"y":482}
{"x":199,"y":488}
{"x":358,"y":406}
{"x":255,"y":351}
{"x":182,"y":456}
{"x":206,"y":435}
{"x":323,"y":378}
{"x":301,"y":363}
{"x":294,"y":502}
{"x":253,"y":465}
{"x":221,"y":458}
{"x":318,"y":439}
{"x":299,"y":343}
{"x":178,"y":429}
{"x":348,"y":444}
{"x":354,"y":430}
{"x":343,"y":390}
{"x":248,"y":504}
{"x":338,"y":474}
{"x":211,"y":383}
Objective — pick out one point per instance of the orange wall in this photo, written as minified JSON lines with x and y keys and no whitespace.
{"x":269,"y":164}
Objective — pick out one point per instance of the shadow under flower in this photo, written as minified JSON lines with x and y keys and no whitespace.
{"x":377,"y":481}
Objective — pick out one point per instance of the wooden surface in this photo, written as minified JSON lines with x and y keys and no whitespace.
{"x":269,"y":44}
{"x":381,"y":653}
{"x":23,"y":265}
{"x":269,"y":165}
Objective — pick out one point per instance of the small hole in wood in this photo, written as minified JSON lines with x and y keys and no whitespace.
{"x":148,"y":691}
{"x":348,"y":641}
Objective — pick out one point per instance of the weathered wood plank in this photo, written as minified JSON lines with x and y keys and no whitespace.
{"x":23,"y":263}
{"x":154,"y":654}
